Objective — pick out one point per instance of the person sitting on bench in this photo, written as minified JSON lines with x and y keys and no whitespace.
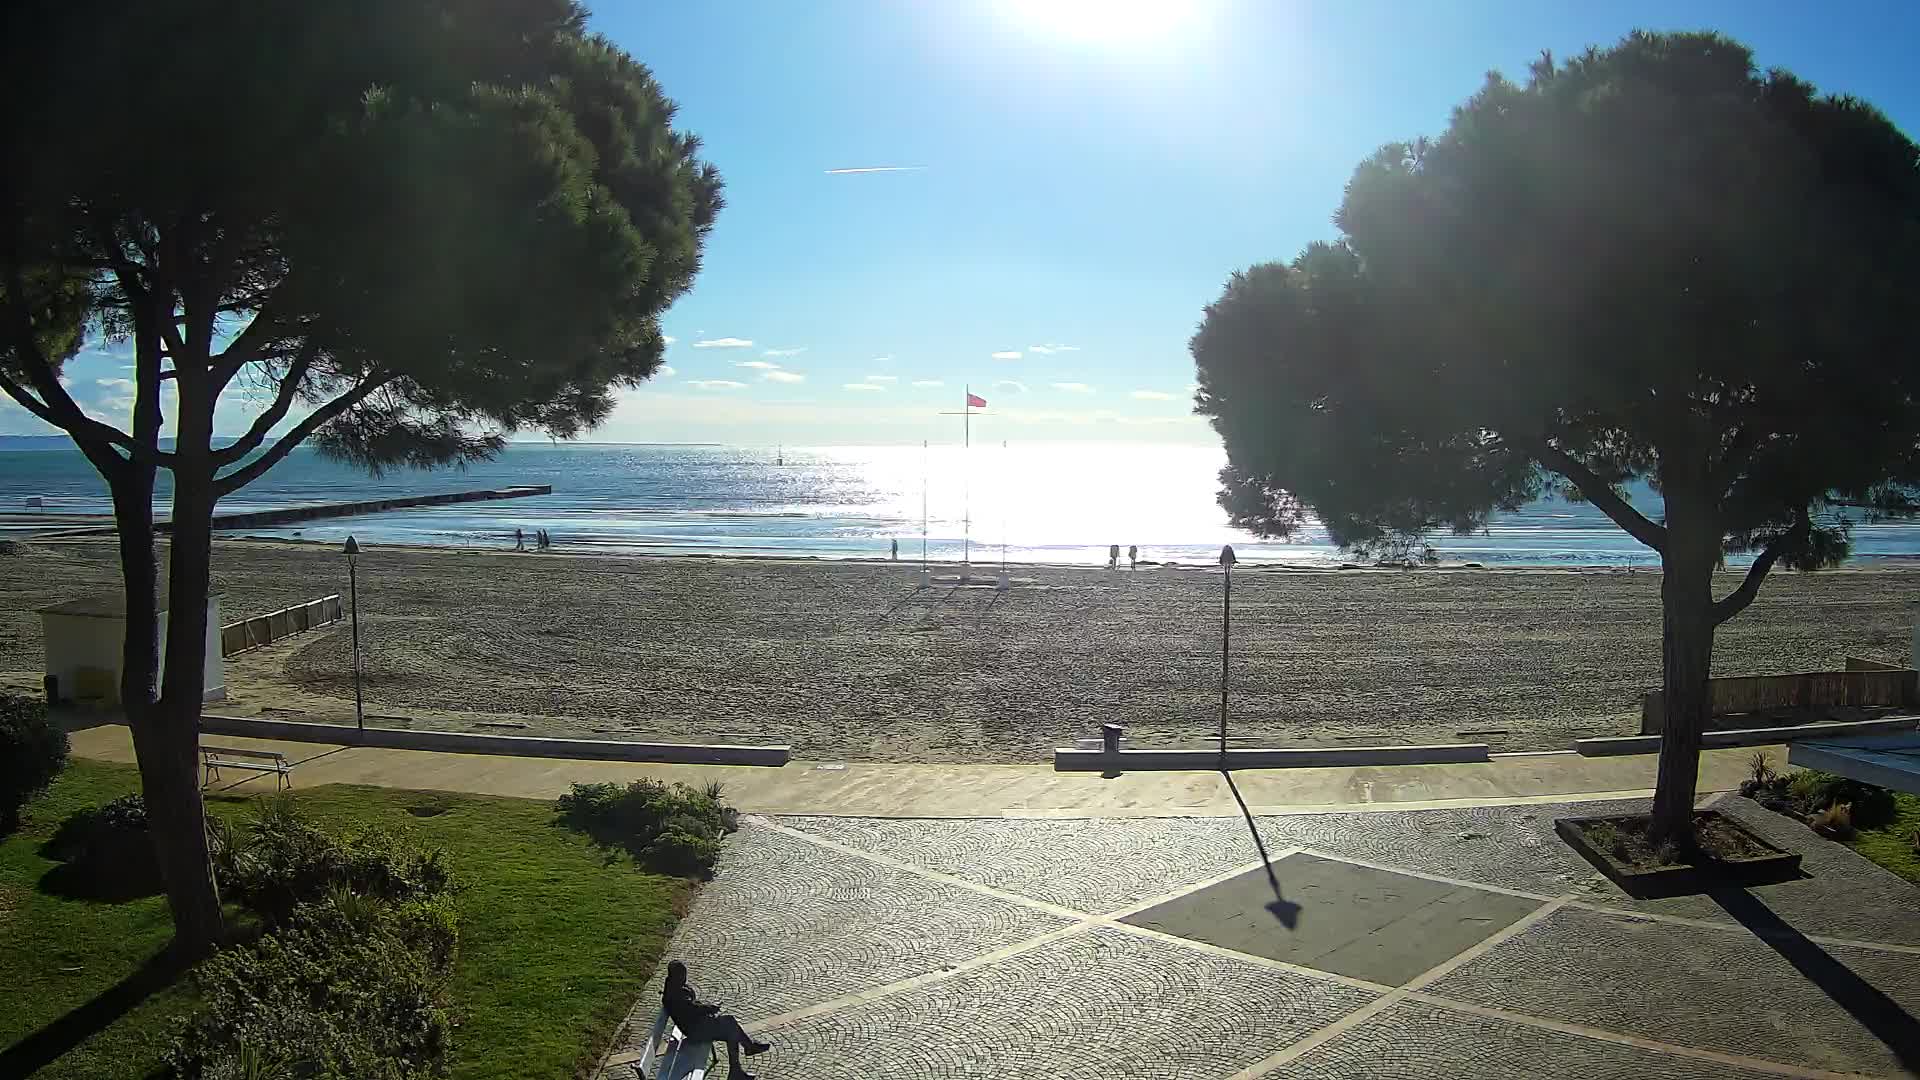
{"x":701,"y":1022}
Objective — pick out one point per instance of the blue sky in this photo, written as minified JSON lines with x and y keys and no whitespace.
{"x":1081,"y":177}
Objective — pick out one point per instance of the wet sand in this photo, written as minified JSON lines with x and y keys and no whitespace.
{"x":849,"y":661}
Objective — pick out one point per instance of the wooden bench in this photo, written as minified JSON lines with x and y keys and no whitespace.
{"x":678,"y":1058}
{"x":215,"y":758}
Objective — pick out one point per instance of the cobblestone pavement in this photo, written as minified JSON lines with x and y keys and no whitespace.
{"x":993,"y":948}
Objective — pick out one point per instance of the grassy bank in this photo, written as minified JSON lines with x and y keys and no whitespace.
{"x":1891,"y":845}
{"x":556,"y":940}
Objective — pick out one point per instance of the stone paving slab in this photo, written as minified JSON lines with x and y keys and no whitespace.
{"x":1692,"y":986}
{"x":1091,"y":865}
{"x":1352,"y":920}
{"x":1093,"y":1006}
{"x":1417,"y":1041}
{"x":787,"y":924}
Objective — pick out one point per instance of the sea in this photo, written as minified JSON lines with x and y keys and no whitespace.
{"x":1045,"y":503}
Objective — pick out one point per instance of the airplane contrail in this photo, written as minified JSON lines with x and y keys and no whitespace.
{"x":878,"y":168}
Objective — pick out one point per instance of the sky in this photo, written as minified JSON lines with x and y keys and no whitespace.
{"x":1037,"y":198}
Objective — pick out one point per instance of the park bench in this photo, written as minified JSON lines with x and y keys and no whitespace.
{"x":678,"y":1058}
{"x":215,"y":758}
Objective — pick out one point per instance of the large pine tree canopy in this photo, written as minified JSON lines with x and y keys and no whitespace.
{"x":1648,"y":262}
{"x":427,"y":222}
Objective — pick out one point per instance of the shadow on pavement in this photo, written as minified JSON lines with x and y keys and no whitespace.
{"x":1877,"y":1012}
{"x":46,"y":1045}
{"x":1283,"y":909}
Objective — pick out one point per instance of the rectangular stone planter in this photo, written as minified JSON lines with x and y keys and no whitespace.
{"x":1774,"y":866}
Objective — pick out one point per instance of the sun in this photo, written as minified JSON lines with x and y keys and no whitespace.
{"x":1116,"y":21}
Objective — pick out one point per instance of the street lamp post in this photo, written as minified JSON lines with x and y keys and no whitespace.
{"x":1227,"y":559}
{"x":353,"y":589}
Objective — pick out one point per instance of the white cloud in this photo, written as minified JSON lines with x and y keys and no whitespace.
{"x":929,"y":382}
{"x":887,"y":359}
{"x":1193,"y":387}
{"x":785,"y":352}
{"x":784,"y":376}
{"x":876,"y":169}
{"x":1008,"y":355}
{"x":716,"y":384}
{"x":669,"y":339}
{"x":1151,"y":395}
{"x":1011,"y":386}
{"x":724,"y":343}
{"x":1073,"y":387}
{"x":863,"y":387}
{"x":883,"y":378}
{"x":1051,"y":348}
{"x":757,"y":365}
{"x":666,"y":371}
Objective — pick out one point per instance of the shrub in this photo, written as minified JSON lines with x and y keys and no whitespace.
{"x":107,"y":853}
{"x":669,"y":829}
{"x":33,"y":750}
{"x":1835,"y":822}
{"x":281,"y":861}
{"x":1816,"y":791}
{"x":345,"y":987}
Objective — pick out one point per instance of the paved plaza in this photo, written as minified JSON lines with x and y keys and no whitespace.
{"x":1420,"y":944}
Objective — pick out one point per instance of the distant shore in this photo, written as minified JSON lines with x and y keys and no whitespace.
{"x":850,"y":660}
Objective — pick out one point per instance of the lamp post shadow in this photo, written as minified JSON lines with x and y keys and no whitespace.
{"x":1281,"y":908}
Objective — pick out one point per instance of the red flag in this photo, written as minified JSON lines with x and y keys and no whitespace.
{"x":975,"y":401}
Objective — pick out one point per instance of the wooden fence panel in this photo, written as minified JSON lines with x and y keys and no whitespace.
{"x":265,"y":629}
{"x":1807,"y":690}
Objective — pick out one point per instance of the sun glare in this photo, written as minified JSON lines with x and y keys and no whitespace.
{"x":1102,"y":20}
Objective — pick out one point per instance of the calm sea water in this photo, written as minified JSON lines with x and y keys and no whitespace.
{"x":1053,"y":504}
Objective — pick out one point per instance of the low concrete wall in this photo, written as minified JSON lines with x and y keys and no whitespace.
{"x":460,"y":742}
{"x":1806,"y":690}
{"x":1716,"y":740}
{"x":1068,"y":759}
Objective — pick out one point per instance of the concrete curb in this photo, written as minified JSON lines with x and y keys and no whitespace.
{"x":1068,"y":759}
{"x":460,"y":742}
{"x":1718,"y":740}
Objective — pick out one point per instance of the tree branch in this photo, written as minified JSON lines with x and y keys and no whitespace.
{"x":1739,"y":450}
{"x":1601,"y":494}
{"x":1737,"y":601}
{"x":239,"y":478}
{"x":282,"y":401}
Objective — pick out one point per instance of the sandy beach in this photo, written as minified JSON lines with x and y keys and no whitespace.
{"x":849,"y":661}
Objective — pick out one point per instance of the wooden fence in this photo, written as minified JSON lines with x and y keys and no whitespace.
{"x":262,"y":629}
{"x":1859,"y":686}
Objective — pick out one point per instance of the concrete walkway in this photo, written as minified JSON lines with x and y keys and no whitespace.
{"x":860,"y":789}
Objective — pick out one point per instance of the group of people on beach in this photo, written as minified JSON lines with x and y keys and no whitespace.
{"x":541,"y":540}
{"x":1133,"y":557}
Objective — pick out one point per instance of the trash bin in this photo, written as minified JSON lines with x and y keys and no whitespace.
{"x":1110,"y":738}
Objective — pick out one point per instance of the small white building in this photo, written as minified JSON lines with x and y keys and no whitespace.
{"x":84,"y":641}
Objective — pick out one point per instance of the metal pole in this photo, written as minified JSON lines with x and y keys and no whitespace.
{"x":353,"y":587}
{"x":1226,"y":633}
{"x":966,"y":486}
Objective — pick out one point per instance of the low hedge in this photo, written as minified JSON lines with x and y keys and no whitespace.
{"x":33,"y":750}
{"x":668,"y":828}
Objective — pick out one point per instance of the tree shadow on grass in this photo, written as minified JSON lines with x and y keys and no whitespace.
{"x":1878,"y":1013}
{"x":1282,"y":908}
{"x":43,"y":1047}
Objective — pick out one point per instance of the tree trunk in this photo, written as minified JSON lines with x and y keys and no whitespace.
{"x":180,"y":834}
{"x":1686,"y":662}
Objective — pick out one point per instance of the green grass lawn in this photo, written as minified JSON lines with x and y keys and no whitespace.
{"x":1892,"y":845}
{"x":556,"y":940}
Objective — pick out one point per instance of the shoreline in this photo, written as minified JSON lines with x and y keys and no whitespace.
{"x":1873,"y":563}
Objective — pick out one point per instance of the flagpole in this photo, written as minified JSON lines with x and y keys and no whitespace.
{"x":966,"y":486}
{"x":923,"y":506}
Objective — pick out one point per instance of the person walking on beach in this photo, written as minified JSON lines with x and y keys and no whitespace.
{"x":1113,"y":556}
{"x":896,"y":549}
{"x":702,"y":1022}
{"x":1133,"y":556}
{"x":519,"y":540}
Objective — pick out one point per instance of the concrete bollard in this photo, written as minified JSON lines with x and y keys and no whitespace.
{"x":1110,"y":738}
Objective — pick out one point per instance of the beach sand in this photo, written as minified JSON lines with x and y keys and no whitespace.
{"x":848,"y":661}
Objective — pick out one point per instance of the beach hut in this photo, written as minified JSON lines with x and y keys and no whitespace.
{"x":84,"y":638}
